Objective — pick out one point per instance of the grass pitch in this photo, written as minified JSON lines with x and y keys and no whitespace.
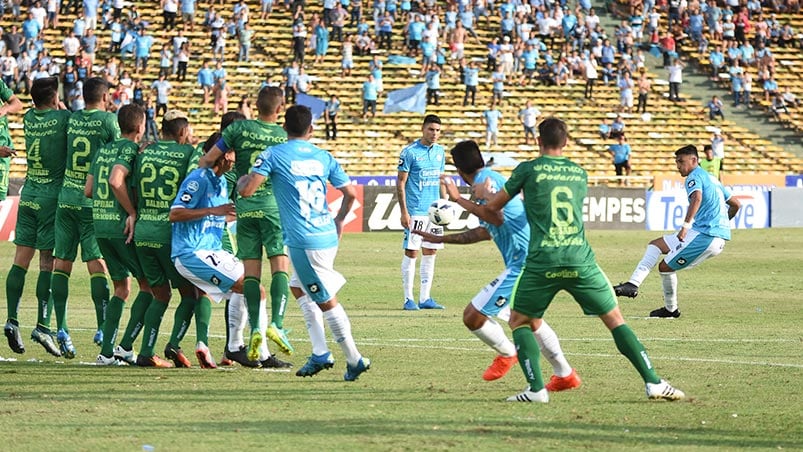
{"x":735,"y":351}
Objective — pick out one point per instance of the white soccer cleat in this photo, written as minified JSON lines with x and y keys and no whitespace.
{"x":127,"y":356}
{"x":104,"y":361}
{"x":541,"y":396}
{"x":664,"y":391}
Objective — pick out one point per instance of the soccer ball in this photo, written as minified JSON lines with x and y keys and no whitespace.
{"x":442,"y":212}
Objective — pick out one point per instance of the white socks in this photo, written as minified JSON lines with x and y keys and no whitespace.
{"x":550,"y":348}
{"x":407,"y":272}
{"x":492,"y":334}
{"x":341,"y":330}
{"x":651,"y":257}
{"x":264,"y":353}
{"x":313,"y":317}
{"x":238,"y":318}
{"x":427,"y":273}
{"x":670,"y":282}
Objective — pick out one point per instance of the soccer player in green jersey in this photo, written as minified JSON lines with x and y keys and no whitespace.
{"x":46,"y":151}
{"x":258,"y":217}
{"x":9,"y":104}
{"x":560,"y":258}
{"x":158,"y":172}
{"x":87,"y":130}
{"x":114,"y":217}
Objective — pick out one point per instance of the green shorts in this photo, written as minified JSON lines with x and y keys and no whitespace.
{"x":121,"y":258}
{"x":157,"y":266}
{"x":535,"y":289}
{"x":35,"y":218}
{"x":74,"y":225}
{"x":5,"y":170}
{"x":255,"y":233}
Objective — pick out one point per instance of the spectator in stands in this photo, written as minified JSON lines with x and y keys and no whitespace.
{"x":89,"y":45}
{"x":183,"y":60}
{"x":433,"y":81}
{"x":498,"y":78}
{"x":560,"y":73}
{"x":138,"y":93}
{"x":675,"y":79}
{"x":13,"y":40}
{"x":52,"y":17}
{"x":375,"y":66}
{"x":369,"y":96}
{"x":668,"y":48}
{"x":68,"y":79}
{"x":91,"y":13}
{"x":169,"y":12}
{"x":714,"y":107}
{"x":188,"y":13}
{"x":303,"y":82}
{"x":529,"y":60}
{"x":644,"y":86}
{"x":290,"y":74}
{"x":710,"y":163}
{"x":626,"y":92}
{"x":330,"y":110}
{"x":71,"y":46}
{"x":415,"y":31}
{"x":748,"y":54}
{"x":718,"y":147}
{"x":790,"y":98}
{"x":528,"y":116}
{"x":618,"y":126}
{"x":9,"y":69}
{"x":604,"y":130}
{"x":206,"y":79}
{"x":142,"y":46}
{"x":620,"y":153}
{"x":778,"y":106}
{"x":30,"y":29}
{"x":364,"y":44}
{"x":244,"y":107}
{"x":321,"y":34}
{"x":471,"y":80}
{"x":162,"y":89}
{"x":386,"y":31}
{"x":717,"y":61}
{"x":608,"y":74}
{"x":221,"y":93}
{"x":75,"y":99}
{"x":299,"y":39}
{"x":770,"y":88}
{"x":245,"y":35}
{"x":491,"y":119}
{"x":786,"y":38}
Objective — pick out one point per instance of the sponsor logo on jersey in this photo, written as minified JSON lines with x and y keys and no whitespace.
{"x":692,"y":183}
{"x":186,"y":197}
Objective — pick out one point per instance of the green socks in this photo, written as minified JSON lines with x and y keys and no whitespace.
{"x":252,"y":296}
{"x":279,"y":290}
{"x":15,"y":283}
{"x":99,"y":288}
{"x":203,"y":315}
{"x":153,"y":319}
{"x":44,"y":307}
{"x":137,"y":320}
{"x":114,"y":310}
{"x":529,"y":356}
{"x":59,"y":291}
{"x":181,"y":320}
{"x":629,"y":345}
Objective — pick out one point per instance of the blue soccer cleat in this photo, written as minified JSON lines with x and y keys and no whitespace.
{"x":430,"y":304}
{"x":98,"y":339}
{"x":65,"y":344}
{"x":352,"y":373}
{"x":315,"y":364}
{"x":410,"y":305}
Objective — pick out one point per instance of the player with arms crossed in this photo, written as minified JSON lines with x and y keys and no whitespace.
{"x":158,"y":172}
{"x":560,"y":258}
{"x":258,"y":223}
{"x":705,"y":229}
{"x":511,"y":234}
{"x":46,"y":151}
{"x":114,"y":216}
{"x":87,"y":130}
{"x":418,"y":185}
{"x":300,"y":172}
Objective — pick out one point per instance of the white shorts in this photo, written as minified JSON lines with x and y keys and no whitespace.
{"x":695,"y":248}
{"x":314,"y":273}
{"x":212,"y":271}
{"x":415,"y":242}
{"x":494,"y":299}
{"x":627,"y":99}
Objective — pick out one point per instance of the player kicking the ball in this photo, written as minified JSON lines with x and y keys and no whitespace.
{"x":511,"y":235}
{"x":300,"y":172}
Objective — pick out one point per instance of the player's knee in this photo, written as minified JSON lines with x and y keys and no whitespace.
{"x":122,"y":289}
{"x":46,"y":261}
{"x":663,"y":267}
{"x":473,"y":319}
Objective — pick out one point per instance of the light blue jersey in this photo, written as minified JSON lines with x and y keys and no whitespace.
{"x":712,"y":217}
{"x":201,"y":188}
{"x":299,"y":171}
{"x":512,"y":236}
{"x":424,"y":166}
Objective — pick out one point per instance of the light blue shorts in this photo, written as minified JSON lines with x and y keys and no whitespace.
{"x":494,"y":299}
{"x":692,"y":251}
{"x":314,"y":273}
{"x":212,"y":271}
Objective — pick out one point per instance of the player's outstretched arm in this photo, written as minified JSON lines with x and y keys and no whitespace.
{"x":492,"y":215}
{"x":248,"y":184}
{"x":208,"y":160}
{"x":464,"y":238}
{"x":180,"y":214}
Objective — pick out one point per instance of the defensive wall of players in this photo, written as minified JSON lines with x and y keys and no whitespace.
{"x":767,"y":201}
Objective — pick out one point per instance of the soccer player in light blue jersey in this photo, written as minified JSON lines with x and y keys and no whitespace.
{"x":417,"y":186}
{"x":300,"y":171}
{"x":705,"y":229}
{"x":511,"y":234}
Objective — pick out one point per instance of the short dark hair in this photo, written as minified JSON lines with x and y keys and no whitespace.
{"x":44,"y":89}
{"x":173,"y":128}
{"x":211,"y":141}
{"x":94,"y":89}
{"x":129,"y":117}
{"x":230,"y":117}
{"x":297,"y":120}
{"x":554,"y":133}
{"x":467,"y":157}
{"x":689,"y":149}
{"x":430,"y":119}
{"x":268,"y":99}
{"x":707,"y":147}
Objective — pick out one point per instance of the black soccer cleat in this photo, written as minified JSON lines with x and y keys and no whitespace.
{"x":12,"y":332}
{"x":626,"y":289}
{"x":274,"y":363}
{"x":665,"y":314}
{"x":241,"y":357}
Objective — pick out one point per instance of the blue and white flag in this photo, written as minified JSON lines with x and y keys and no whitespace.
{"x":316,"y":105}
{"x":412,"y":99}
